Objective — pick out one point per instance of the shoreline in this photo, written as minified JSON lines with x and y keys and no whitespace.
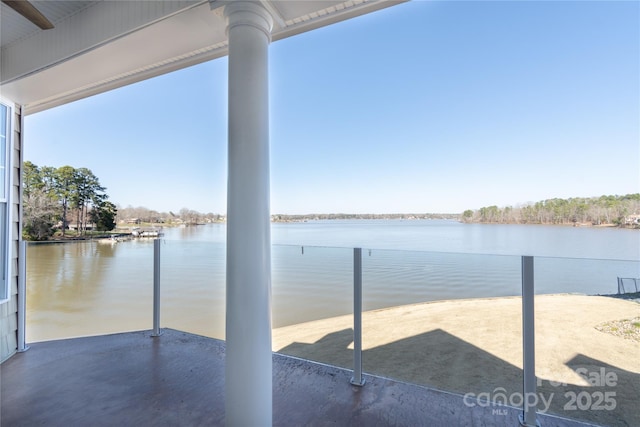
{"x":419,"y":217}
{"x":126,"y":231}
{"x":572,"y":225}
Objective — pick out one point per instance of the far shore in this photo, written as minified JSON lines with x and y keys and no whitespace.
{"x":126,"y":229}
{"x":422,"y":217}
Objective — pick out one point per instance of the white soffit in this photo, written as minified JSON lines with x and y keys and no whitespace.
{"x":102,"y":45}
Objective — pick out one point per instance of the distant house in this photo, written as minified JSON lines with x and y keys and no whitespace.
{"x":87,"y":227}
{"x":632,"y":219}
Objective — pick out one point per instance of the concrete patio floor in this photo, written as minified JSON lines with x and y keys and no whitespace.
{"x":177,"y":379}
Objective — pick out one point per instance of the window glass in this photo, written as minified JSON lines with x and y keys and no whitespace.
{"x":4,"y":291}
{"x":3,"y":150}
{"x":4,"y":226}
{"x":3,"y":162}
{"x":3,"y":120}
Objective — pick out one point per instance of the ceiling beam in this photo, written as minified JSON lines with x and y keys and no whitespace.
{"x":30,"y":12}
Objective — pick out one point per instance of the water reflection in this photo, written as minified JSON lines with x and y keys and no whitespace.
{"x":87,"y":288}
{"x":60,"y":273}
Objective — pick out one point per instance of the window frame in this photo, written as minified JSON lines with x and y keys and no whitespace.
{"x":5,"y":204}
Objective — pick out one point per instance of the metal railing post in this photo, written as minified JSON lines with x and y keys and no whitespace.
{"x":22,"y":296}
{"x":528,"y":417}
{"x":357,"y":378}
{"x":156,"y":288}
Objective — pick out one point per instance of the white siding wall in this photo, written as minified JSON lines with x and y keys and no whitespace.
{"x":9,"y":310}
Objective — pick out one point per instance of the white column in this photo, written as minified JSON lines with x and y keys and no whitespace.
{"x":248,"y":318}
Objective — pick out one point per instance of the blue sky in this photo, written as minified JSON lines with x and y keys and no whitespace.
{"x":422,"y":107}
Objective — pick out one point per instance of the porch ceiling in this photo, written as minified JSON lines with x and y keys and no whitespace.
{"x":97,"y":46}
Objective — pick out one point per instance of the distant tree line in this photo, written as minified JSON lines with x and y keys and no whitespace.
{"x":343,"y":216}
{"x":618,"y":210}
{"x":55,"y":197}
{"x":141,"y":215}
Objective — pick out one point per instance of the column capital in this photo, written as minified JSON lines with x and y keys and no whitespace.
{"x":252,"y":13}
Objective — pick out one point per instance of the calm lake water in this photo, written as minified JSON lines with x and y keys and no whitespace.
{"x":91,"y":288}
